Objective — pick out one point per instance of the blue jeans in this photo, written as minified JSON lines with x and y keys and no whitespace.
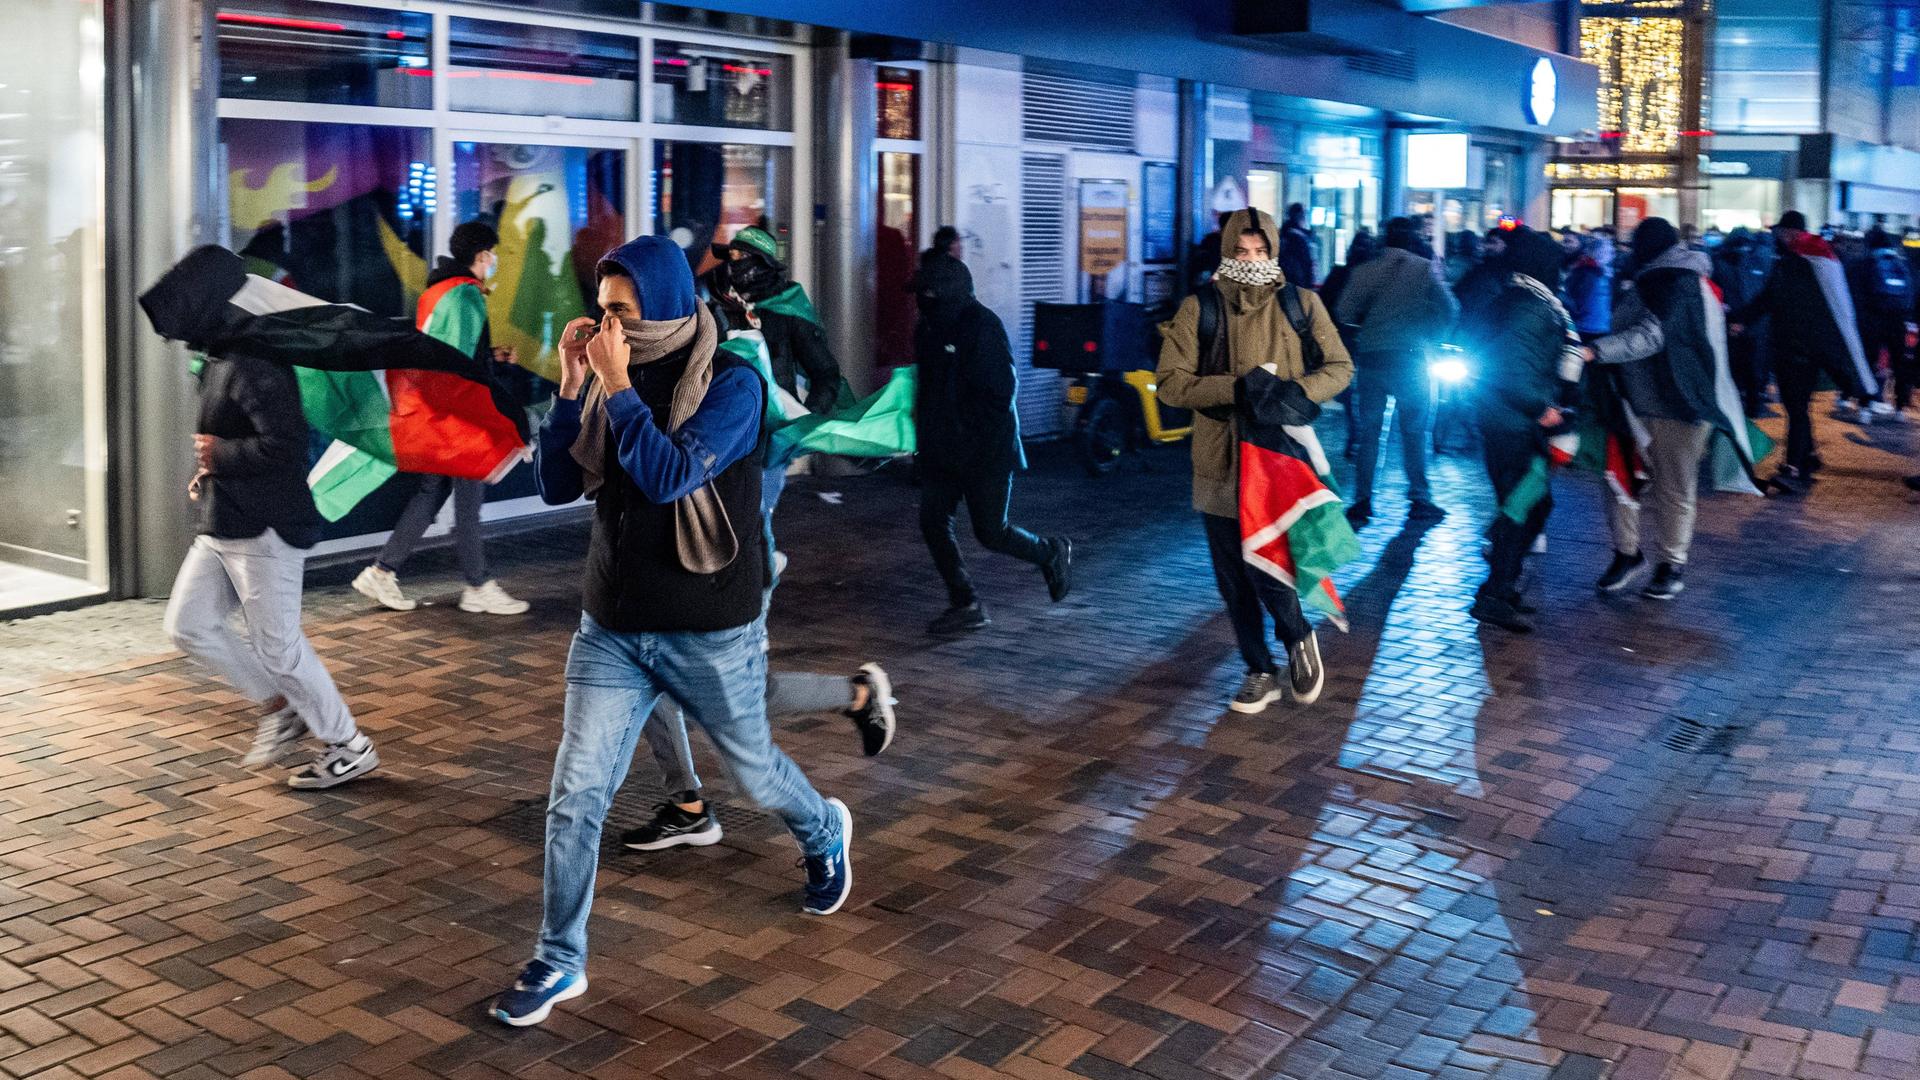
{"x":613,"y":683}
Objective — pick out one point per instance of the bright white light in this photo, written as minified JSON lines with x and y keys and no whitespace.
{"x":1448,"y":370}
{"x":249,"y":78}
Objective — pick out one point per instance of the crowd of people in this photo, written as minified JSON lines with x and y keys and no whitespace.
{"x":1653,"y":352}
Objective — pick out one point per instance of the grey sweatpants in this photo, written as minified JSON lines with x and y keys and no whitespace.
{"x":1672,"y":457}
{"x":468,"y":495}
{"x":260,"y":578}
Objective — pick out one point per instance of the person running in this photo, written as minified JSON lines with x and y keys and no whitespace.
{"x":453,"y":310}
{"x":969,"y":441}
{"x":663,"y":443}
{"x":1811,"y":330}
{"x":257,"y":520}
{"x":1402,"y":310}
{"x":1248,"y":318}
{"x":1526,"y":342}
{"x":1666,"y":363}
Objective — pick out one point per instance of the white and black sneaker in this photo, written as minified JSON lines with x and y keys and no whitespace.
{"x":1304,"y":669}
{"x":278,"y":731}
{"x":1259,"y":691}
{"x":337,"y":764}
{"x":673,"y":827}
{"x":875,"y":719}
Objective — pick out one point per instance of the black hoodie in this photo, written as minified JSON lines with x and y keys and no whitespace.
{"x":963,"y":403}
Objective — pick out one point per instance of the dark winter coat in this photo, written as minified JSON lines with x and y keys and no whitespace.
{"x":258,"y":476}
{"x":964,"y":400}
{"x":1518,"y":338}
{"x":796,"y":345}
{"x":1296,"y":256}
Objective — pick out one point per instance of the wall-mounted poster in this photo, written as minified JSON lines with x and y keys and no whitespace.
{"x":1103,"y":225}
{"x":1159,"y":208}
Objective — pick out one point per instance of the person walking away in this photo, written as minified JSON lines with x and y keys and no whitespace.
{"x":1525,"y":340}
{"x":663,"y":444}
{"x":1364,"y":247}
{"x":1883,"y":299}
{"x":1664,"y":362}
{"x":1249,"y":318}
{"x":1811,"y":332}
{"x":453,"y":310}
{"x":1739,"y":277}
{"x":1296,"y":248}
{"x":257,"y":520}
{"x":1402,"y":310}
{"x":969,"y":441}
{"x":1485,"y":278}
{"x":1589,"y":284}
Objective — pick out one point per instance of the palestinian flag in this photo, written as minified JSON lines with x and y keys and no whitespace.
{"x":1293,"y":525}
{"x":392,"y":398}
{"x":879,"y":425}
{"x":1832,"y":279}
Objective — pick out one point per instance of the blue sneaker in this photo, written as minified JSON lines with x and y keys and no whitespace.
{"x":539,"y":988}
{"x":830,"y":876}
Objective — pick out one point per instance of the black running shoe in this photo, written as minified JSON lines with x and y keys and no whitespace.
{"x":1492,"y":609}
{"x":1360,"y":513}
{"x":960,"y":620}
{"x":1259,"y":691}
{"x":1424,"y":512}
{"x":875,"y":720}
{"x":1059,"y":568}
{"x":1667,"y":583}
{"x":1304,"y":669}
{"x":1620,"y":572}
{"x":674,"y":827}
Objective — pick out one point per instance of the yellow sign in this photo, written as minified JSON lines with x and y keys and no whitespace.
{"x":1103,"y":225}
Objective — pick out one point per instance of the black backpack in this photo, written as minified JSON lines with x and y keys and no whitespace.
{"x":1889,"y":283}
{"x":1213,"y":341}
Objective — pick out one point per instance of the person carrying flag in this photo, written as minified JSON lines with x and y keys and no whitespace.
{"x":1812,"y":331}
{"x":1527,"y":345}
{"x":663,"y":442}
{"x":1242,"y":321}
{"x":453,"y":310}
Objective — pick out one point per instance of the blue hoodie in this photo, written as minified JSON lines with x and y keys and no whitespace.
{"x":660,"y":276}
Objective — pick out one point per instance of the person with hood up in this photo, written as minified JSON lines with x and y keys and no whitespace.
{"x":1296,"y":248}
{"x":1811,"y":332}
{"x":1402,"y":311}
{"x":969,"y":441}
{"x":1589,"y":283}
{"x":1527,"y":348}
{"x":1666,"y":361}
{"x":453,"y":310}
{"x":1241,"y":322}
{"x":662,"y":440}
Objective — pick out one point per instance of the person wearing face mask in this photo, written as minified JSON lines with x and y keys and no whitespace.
{"x":662,"y":440}
{"x":1213,"y":341}
{"x":969,"y":440}
{"x":453,"y":310}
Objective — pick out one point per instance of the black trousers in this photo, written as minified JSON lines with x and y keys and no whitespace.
{"x":1744,"y":357}
{"x":1798,"y":378}
{"x":987,"y":497}
{"x":1510,"y":455}
{"x":1251,"y":596}
{"x":1889,"y":333}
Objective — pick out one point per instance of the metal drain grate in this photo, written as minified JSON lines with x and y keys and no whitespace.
{"x":526,"y":820}
{"x":1689,"y":736}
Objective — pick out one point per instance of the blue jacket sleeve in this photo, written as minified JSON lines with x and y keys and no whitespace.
{"x":723,"y":430}
{"x":554,"y":471}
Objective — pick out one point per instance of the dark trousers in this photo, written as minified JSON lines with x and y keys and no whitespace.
{"x":1798,"y":378}
{"x":1510,"y":455}
{"x":1251,"y":596}
{"x":1885,"y":334}
{"x":1743,"y":357}
{"x":941,"y":493}
{"x":1402,"y":376}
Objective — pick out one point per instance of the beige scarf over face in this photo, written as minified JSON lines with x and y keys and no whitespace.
{"x":706,"y":540}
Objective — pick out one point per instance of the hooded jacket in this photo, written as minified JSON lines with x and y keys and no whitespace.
{"x":1665,"y":362}
{"x":1257,"y":333}
{"x":1589,"y":287}
{"x":1397,"y":303}
{"x":963,"y":404}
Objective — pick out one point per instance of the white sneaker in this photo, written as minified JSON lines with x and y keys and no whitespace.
{"x":277,"y":731}
{"x":338,"y":764}
{"x":1881,"y":408}
{"x":490,"y":599}
{"x":383,"y":588}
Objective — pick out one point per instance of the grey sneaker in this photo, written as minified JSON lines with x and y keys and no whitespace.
{"x":337,"y":764}
{"x":1259,"y":691}
{"x":277,"y":732}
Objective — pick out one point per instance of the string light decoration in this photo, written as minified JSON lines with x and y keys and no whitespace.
{"x":1610,"y":171}
{"x":1641,"y":92}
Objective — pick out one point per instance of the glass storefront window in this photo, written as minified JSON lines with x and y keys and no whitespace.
{"x":541,"y":71}
{"x":329,"y":54}
{"x":747,"y":25}
{"x":557,"y":209}
{"x":895,"y":242}
{"x":52,"y":348}
{"x":720,"y":86}
{"x":340,"y":211}
{"x":703,"y":193}
{"x":1635,"y":205}
{"x":898,"y":92}
{"x":1580,"y":208}
{"x":1752,"y":203}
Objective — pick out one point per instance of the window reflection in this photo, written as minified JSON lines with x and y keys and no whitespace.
{"x":331,"y":54}
{"x":541,"y":71}
{"x":705,"y":192}
{"x":719,"y":86}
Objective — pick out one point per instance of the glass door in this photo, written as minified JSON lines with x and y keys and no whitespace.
{"x":899,"y":154}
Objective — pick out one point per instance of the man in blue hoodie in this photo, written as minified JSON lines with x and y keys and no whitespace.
{"x":662,"y":440}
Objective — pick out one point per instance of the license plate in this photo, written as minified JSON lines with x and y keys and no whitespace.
{"x":1076,"y":395}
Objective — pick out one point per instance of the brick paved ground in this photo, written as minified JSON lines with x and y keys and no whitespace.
{"x":1477,"y":856}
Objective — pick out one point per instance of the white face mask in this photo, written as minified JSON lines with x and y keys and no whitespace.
{"x":493,"y":263}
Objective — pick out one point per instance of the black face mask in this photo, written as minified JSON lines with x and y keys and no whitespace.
{"x":754,"y":279}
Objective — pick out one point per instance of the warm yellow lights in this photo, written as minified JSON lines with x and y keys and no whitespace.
{"x":1610,"y":170}
{"x":1641,"y":91}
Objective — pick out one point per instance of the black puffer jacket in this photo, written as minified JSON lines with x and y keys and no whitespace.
{"x":963,"y":402}
{"x":1517,"y":337}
